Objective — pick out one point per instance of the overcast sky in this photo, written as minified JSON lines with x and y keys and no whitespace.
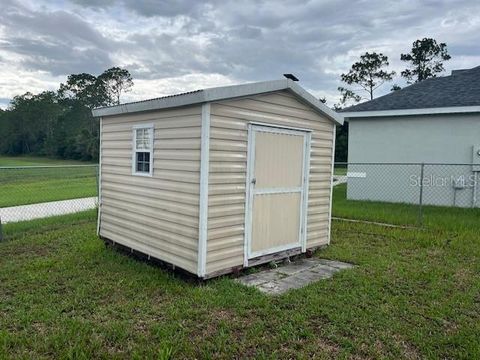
{"x":173,"y":46}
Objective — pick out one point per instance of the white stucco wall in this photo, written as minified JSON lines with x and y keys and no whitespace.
{"x":427,"y":138}
{"x":413,"y":139}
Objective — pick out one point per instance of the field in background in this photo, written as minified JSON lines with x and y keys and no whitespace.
{"x":413,"y":294}
{"x":340,"y":170}
{"x":64,"y":180}
{"x":36,"y":161}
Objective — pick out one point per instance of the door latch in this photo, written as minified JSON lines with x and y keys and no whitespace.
{"x":254,"y":181}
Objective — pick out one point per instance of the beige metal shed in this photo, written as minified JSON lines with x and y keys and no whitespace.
{"x":215,"y":180}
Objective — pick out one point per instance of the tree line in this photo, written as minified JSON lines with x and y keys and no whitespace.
{"x":425,"y":60}
{"x":60,"y":123}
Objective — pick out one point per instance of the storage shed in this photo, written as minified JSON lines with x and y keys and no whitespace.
{"x":215,"y":180}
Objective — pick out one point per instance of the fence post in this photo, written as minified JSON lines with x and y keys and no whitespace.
{"x":420,"y":200}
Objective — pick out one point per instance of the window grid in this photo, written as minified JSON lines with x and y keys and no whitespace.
{"x":143,"y":139}
{"x":143,"y":148}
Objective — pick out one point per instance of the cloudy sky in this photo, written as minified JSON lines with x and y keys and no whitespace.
{"x":172,"y":46}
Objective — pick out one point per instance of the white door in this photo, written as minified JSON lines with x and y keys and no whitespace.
{"x":277,"y":183}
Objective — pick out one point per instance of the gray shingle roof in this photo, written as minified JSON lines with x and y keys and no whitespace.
{"x":462,"y":88}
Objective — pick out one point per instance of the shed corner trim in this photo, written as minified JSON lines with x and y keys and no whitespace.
{"x":204,"y":173}
{"x":329,"y":235}
{"x":315,"y":103}
{"x":99,"y":178}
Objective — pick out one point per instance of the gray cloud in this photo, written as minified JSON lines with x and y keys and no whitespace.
{"x":95,"y":3}
{"x":246,"y":41}
{"x":62,"y":59}
{"x":151,"y":8}
{"x":165,"y":7}
{"x":57,"y":42}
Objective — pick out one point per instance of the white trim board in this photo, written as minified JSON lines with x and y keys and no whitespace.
{"x":203,"y":208}
{"x":278,"y":190}
{"x":223,"y":93}
{"x":407,"y":112}
{"x":99,"y":174}
{"x":248,"y":196}
{"x":329,"y":235}
{"x":280,"y":126}
{"x":306,"y":182}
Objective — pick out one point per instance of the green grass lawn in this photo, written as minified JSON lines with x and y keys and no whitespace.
{"x":403,"y":214}
{"x":36,"y":160}
{"x":337,"y":170}
{"x":413,"y":294}
{"x":33,"y":185}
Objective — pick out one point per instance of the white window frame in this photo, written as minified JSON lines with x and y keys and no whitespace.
{"x":134,"y":149}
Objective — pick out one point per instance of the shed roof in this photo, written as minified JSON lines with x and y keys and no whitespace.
{"x":459,"y":90}
{"x":221,"y":93}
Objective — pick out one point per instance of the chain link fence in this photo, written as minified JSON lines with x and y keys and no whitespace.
{"x":412,"y":186}
{"x":385,"y":192}
{"x":33,"y":192}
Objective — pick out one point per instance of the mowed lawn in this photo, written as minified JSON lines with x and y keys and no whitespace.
{"x":340,"y":170}
{"x":36,"y":160}
{"x":413,"y":294}
{"x":20,"y":186}
{"x":403,"y":214}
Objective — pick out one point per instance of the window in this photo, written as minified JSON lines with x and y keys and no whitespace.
{"x":143,"y":150}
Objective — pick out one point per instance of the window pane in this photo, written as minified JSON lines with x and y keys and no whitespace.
{"x":143,"y":139}
{"x":142,"y":162}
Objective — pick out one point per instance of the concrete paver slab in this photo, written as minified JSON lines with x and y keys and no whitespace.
{"x":293,"y":267}
{"x":324,"y":270}
{"x":260,"y":278}
{"x":336,"y":264}
{"x":293,"y":275}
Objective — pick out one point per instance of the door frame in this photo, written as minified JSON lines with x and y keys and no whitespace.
{"x":249,"y":193}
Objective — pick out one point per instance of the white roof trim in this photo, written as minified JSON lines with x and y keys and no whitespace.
{"x":222,"y":93}
{"x":407,"y":112}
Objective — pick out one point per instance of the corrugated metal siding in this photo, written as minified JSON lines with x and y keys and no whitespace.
{"x":156,"y":215}
{"x":228,"y":162}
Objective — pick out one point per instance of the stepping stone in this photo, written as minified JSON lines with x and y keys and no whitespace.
{"x":294,"y":267}
{"x":259,"y":278}
{"x":272,"y":288}
{"x":293,"y":275}
{"x":336,"y":264}
{"x":324,"y":269}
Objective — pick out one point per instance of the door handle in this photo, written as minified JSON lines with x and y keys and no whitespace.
{"x":254,"y":181}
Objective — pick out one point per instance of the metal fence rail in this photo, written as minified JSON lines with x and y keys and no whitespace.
{"x":416,"y":184}
{"x":31,"y":192}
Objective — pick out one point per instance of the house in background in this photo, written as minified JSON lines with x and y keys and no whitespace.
{"x":436,"y":121}
{"x":215,"y":180}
